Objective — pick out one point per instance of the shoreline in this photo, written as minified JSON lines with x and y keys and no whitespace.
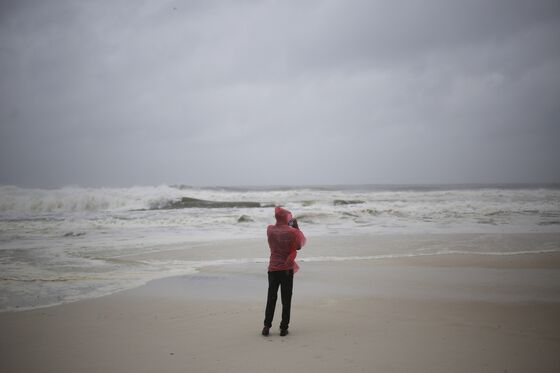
{"x":505,"y":250}
{"x":435,"y":313}
{"x":525,"y":260}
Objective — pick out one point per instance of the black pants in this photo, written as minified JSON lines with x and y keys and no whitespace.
{"x":284,"y":280}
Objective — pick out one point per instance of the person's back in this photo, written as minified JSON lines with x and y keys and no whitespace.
{"x":283,"y":241}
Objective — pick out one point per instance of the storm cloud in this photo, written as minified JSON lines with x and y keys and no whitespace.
{"x":279,"y":92}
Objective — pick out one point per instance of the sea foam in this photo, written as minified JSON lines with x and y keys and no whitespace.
{"x":59,"y":245}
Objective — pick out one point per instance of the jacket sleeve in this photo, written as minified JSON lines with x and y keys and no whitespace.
{"x":300,"y":239}
{"x":296,"y":245}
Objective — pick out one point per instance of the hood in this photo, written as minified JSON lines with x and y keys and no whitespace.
{"x":282,"y":216}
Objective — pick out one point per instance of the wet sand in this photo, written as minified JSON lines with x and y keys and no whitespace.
{"x":444,"y":313}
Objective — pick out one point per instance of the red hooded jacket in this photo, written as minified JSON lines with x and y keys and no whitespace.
{"x":284,"y":241}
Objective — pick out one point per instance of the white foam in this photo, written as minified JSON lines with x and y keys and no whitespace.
{"x":49,"y":237}
{"x":415,"y":255}
{"x":77,"y":199}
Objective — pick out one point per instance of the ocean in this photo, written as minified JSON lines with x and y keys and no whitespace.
{"x":71,"y":243}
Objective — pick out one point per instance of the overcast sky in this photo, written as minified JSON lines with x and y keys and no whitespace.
{"x":128,"y":92}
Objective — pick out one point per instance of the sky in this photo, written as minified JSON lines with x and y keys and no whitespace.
{"x":207,"y":92}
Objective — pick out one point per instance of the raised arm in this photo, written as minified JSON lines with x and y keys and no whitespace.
{"x":300,"y":239}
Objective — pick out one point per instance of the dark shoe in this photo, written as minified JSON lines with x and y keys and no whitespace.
{"x":283,"y":332}
{"x":265,"y":330}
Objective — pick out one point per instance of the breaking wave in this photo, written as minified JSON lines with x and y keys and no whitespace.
{"x":533,"y":208}
{"x":63,"y":243}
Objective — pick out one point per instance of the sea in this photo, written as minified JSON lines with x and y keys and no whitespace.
{"x":71,"y":243}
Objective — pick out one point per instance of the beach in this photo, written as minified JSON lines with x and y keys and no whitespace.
{"x":162,"y":164}
{"x":487,"y":311}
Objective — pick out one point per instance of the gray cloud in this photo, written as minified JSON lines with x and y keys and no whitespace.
{"x":268,"y":92}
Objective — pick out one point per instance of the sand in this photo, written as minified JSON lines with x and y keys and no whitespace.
{"x":446,"y":313}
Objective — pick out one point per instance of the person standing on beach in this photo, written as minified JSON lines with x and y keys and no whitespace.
{"x":284,"y":239}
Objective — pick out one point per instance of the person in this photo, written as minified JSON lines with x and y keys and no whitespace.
{"x":284,"y":239}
